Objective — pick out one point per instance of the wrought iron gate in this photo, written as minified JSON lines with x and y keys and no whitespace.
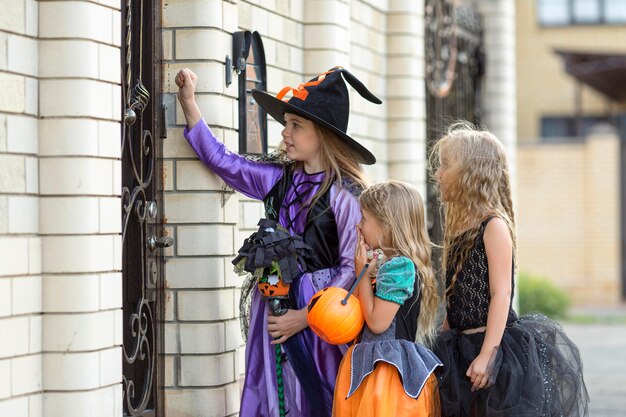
{"x":141,"y":208}
{"x":454,"y":69}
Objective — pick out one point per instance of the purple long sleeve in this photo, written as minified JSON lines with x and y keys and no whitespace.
{"x":347,"y":212}
{"x":254,"y":179}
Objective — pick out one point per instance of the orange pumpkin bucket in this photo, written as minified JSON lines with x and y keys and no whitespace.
{"x":335,"y":322}
{"x":335,"y":315}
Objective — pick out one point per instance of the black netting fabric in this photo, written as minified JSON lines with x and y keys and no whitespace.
{"x":537,"y":372}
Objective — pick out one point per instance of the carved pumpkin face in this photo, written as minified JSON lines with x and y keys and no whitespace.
{"x":273,"y":288}
{"x":333,"y":321}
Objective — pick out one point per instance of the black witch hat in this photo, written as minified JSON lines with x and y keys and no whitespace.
{"x":324,"y":100}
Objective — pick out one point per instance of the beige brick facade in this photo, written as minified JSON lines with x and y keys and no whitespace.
{"x":544,"y":88}
{"x":571,"y":195}
{"x":60,"y":179}
{"x":558,"y":221}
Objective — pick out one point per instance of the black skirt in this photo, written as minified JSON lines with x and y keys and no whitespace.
{"x":537,"y":372}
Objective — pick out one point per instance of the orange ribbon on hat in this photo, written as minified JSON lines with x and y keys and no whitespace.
{"x":301,"y":92}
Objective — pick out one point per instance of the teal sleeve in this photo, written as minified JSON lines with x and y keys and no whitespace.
{"x":395,"y":280}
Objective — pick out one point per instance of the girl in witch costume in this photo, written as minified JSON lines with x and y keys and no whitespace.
{"x":314,"y":196}
{"x":386,"y":373}
{"x":495,"y":363}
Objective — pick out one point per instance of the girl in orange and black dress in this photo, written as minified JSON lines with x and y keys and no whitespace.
{"x":387,"y":373}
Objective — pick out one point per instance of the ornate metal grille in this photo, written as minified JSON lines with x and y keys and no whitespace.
{"x":454,"y":69}
{"x":141,"y":214}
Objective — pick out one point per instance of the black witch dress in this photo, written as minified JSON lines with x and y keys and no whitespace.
{"x":536,"y":371}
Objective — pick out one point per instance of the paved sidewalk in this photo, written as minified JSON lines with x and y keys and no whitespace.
{"x":603,"y":351}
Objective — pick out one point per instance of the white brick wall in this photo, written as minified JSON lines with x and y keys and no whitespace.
{"x":60,"y":295}
{"x":499,"y":92}
{"x":185,"y":402}
{"x":202,"y":217}
{"x":405,"y":83}
{"x":301,"y":39}
{"x":102,"y":402}
{"x":368,"y":55}
{"x":20,"y":245}
{"x":79,"y":207}
{"x":59,"y":208}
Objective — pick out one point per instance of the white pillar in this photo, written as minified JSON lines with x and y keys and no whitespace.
{"x":499,"y":94}
{"x":326,"y":35}
{"x":79,"y":210}
{"x":406,"y":97}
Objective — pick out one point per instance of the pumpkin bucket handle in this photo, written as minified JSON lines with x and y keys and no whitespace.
{"x":356,"y":282}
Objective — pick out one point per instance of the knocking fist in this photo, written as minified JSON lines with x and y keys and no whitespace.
{"x":186,"y":81}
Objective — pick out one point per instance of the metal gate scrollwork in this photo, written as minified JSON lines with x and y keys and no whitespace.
{"x":454,"y":68}
{"x":141,"y":215}
{"x":440,"y":48}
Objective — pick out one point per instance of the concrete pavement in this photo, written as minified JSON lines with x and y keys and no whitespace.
{"x":603,"y":351}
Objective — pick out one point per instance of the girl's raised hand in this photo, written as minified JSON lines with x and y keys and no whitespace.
{"x":186,"y":81}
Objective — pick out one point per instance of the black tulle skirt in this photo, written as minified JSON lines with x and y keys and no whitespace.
{"x":537,"y":372}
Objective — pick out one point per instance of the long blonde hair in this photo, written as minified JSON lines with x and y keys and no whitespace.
{"x":338,"y":160}
{"x":481,"y":189}
{"x":399,"y":209}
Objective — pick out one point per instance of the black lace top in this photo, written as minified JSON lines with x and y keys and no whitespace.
{"x":468,"y":305}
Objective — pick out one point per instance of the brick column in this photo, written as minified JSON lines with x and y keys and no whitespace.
{"x":203,"y":350}
{"x":326,"y":35}
{"x":368,"y":49}
{"x":79,"y":210}
{"x":20,"y":245}
{"x":406,"y":93}
{"x":351,"y":33}
{"x":499,"y":83}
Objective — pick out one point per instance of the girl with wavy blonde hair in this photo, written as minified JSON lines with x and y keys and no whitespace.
{"x":387,"y":373}
{"x":495,"y":363}
{"x":481,"y":188}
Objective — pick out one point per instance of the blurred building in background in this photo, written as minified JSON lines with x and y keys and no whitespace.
{"x":117,"y":295}
{"x":571,"y":124}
